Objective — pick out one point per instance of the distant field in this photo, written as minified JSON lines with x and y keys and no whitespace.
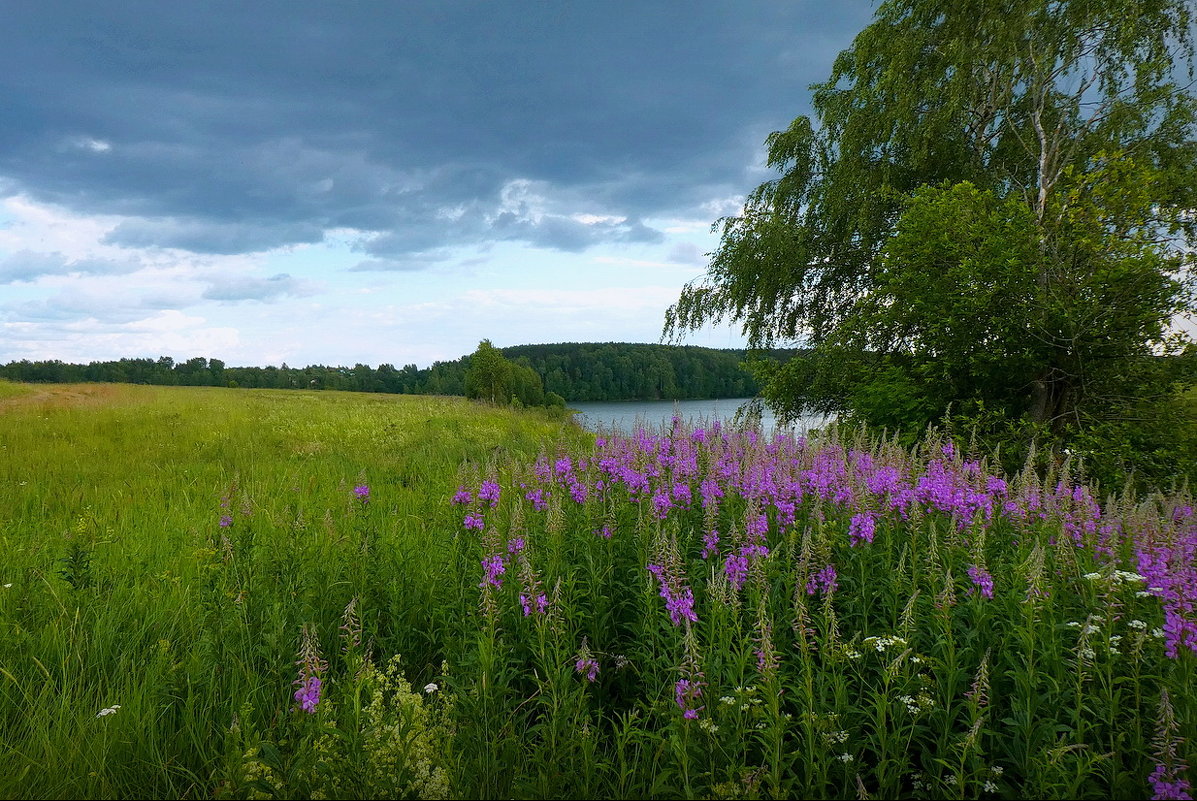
{"x":292,"y":594}
{"x":8,"y":389}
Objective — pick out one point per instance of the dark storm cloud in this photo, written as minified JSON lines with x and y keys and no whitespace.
{"x":270,"y":123}
{"x":212,"y":236}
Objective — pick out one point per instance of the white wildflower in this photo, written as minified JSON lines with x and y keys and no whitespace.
{"x":1088,"y":653}
{"x":708,"y":725}
{"x":997,"y":770}
{"x":1138,"y":625}
{"x":989,"y":787}
{"x":1092,"y":576}
{"x":845,"y":758}
{"x":431,"y":687}
{"x":108,"y":711}
{"x":835,"y":737}
{"x":1157,"y":633}
{"x":727,"y":699}
{"x":1126,"y":575}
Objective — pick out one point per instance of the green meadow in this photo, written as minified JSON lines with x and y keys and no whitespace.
{"x":308,"y":594}
{"x":110,"y":502}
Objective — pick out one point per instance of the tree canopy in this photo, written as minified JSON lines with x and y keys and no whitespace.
{"x":992,"y":209}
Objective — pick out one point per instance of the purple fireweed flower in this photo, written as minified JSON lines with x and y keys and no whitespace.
{"x":662,"y":504}
{"x":226,"y":521}
{"x":756,"y":527}
{"x":1168,"y":779}
{"x":823,"y":582}
{"x":604,"y":532}
{"x":982,"y":580}
{"x":736,"y":570}
{"x":362,"y":492}
{"x":711,"y":492}
{"x":493,"y":567}
{"x":885,"y":479}
{"x":588,"y":666}
{"x":861,"y":460}
{"x":754,"y":550}
{"x":308,"y":694}
{"x":679,"y":603}
{"x":710,"y":544}
{"x":537,"y":498}
{"x":785,"y":512}
{"x":681,"y":606}
{"x":579,"y":492}
{"x":473,"y":520}
{"x":489,"y":491}
{"x":1178,"y":788}
{"x":463,"y":496}
{"x":685,"y":694}
{"x":862,"y":528}
{"x":539,"y":604}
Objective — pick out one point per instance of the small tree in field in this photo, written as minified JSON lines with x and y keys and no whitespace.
{"x":489,"y":376}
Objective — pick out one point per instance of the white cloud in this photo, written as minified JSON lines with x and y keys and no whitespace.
{"x":94,"y":145}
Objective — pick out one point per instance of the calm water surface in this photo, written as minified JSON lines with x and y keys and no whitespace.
{"x":626,"y":415}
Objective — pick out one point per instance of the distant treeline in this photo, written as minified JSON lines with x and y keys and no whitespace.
{"x":575,"y":371}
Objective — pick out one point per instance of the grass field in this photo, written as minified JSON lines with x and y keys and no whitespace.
{"x":235,"y":593}
{"x":124,"y":591}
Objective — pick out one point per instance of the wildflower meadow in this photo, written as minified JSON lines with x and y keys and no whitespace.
{"x":213,"y":593}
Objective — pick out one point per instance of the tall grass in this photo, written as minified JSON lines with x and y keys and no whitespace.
{"x":313,"y":595}
{"x":125,"y":589}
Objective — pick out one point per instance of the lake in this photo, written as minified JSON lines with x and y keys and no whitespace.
{"x":625,"y":415}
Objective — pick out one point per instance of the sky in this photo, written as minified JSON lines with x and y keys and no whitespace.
{"x":342,"y":183}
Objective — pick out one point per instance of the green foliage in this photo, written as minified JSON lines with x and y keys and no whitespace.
{"x":171,"y":673}
{"x":991,"y":211}
{"x":489,"y":376}
{"x":577,"y":371}
{"x":189,"y":627}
